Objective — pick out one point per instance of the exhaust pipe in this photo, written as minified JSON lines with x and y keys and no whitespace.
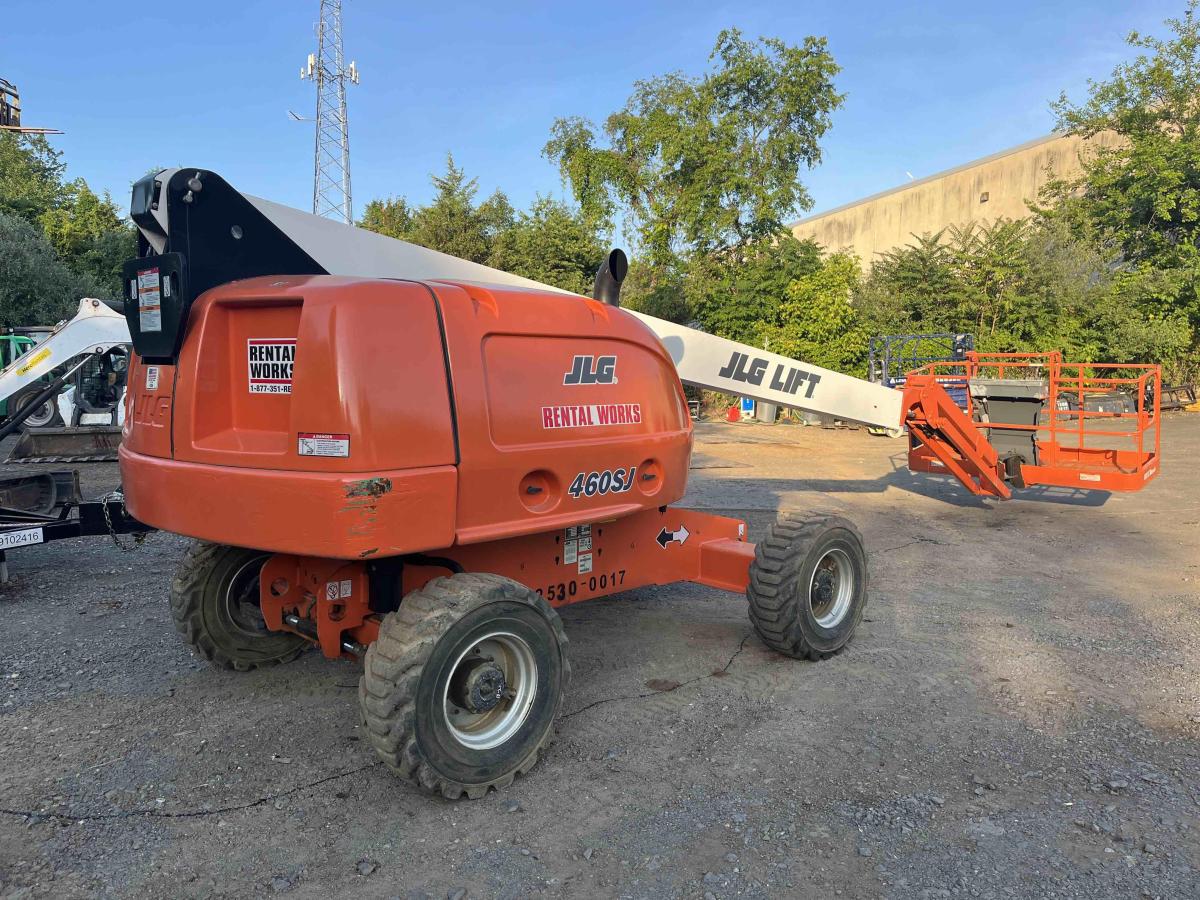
{"x":609,"y":276}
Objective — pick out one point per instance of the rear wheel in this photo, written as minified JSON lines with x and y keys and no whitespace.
{"x":215,"y":604}
{"x":461,"y":689}
{"x":808,"y":586}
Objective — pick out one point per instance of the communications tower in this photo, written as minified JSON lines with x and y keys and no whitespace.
{"x":331,"y":156}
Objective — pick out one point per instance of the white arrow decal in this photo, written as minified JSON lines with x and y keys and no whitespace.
{"x":665,"y":537}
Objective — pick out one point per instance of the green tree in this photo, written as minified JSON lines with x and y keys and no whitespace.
{"x":656,"y":292}
{"x":913,"y":288}
{"x":103,"y":258}
{"x":702,"y":164}
{"x":1142,"y":196}
{"x":1140,"y":200}
{"x":817,"y":322}
{"x":732,"y":292}
{"x":1132,"y":321}
{"x":85,"y":231}
{"x":551,"y":243}
{"x":392,"y":217}
{"x":79,"y":219}
{"x":1028,"y":286}
{"x":36,"y":286}
{"x":30,"y":175}
{"x":454,"y":224}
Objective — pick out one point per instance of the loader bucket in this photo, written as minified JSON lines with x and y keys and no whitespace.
{"x":82,"y":443}
{"x":37,"y":496}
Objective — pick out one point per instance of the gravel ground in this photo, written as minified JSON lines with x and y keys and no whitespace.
{"x":1017,"y":717}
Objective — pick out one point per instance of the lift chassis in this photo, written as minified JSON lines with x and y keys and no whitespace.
{"x":337,"y":604}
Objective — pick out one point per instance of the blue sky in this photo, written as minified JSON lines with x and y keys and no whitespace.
{"x":143,"y":85}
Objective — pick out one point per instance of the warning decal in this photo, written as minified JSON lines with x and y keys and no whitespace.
{"x":313,"y":444}
{"x":270,"y":363}
{"x":149,"y":297}
{"x":152,"y":378}
{"x":576,"y":542}
{"x":591,"y":416}
{"x":337,"y":590}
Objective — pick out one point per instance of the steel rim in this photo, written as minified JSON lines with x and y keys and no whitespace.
{"x":42,"y":416}
{"x":242,"y":600}
{"x":491,"y":728}
{"x":831,"y":588}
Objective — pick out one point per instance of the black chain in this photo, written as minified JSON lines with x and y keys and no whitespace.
{"x":139,"y":537}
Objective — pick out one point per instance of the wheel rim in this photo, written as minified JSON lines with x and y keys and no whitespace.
{"x":242,"y":599}
{"x":504,"y":663}
{"x":831,"y":588}
{"x":42,"y":416}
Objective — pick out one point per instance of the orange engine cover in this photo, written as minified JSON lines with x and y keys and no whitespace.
{"x":353,"y":418}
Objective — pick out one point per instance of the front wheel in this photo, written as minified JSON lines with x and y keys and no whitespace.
{"x":461,"y":689}
{"x":45,"y":416}
{"x":808,"y":586}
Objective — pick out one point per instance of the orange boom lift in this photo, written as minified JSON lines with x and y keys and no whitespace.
{"x":417,"y":465}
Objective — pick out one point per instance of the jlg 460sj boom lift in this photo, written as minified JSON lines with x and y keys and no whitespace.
{"x":392,"y":453}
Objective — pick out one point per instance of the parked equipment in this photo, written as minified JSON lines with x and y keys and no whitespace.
{"x":66,"y":389}
{"x":1041,"y":420}
{"x":890,"y":357}
{"x":1182,"y":396}
{"x":48,"y":506}
{"x":393,"y":454}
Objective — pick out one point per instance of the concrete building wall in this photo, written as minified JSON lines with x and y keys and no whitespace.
{"x":982,"y":191}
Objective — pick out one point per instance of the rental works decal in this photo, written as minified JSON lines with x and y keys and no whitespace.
{"x":591,"y":416}
{"x":270,"y":361}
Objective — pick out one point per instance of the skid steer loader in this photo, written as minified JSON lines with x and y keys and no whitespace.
{"x":64,"y":393}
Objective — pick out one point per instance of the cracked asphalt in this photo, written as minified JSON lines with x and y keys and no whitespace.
{"x":1017,"y":717}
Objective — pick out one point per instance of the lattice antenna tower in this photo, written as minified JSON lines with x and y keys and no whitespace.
{"x":331,"y":154}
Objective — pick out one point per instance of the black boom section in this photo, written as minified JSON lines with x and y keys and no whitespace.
{"x":215,"y":235}
{"x":223,"y":237}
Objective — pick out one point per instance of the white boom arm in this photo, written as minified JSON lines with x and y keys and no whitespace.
{"x":708,"y":361}
{"x":94,"y":329}
{"x":338,"y":249}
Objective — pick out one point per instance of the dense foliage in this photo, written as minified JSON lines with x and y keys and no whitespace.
{"x":699,"y":165}
{"x":36,"y":286}
{"x":551,"y":242}
{"x":59,"y":240}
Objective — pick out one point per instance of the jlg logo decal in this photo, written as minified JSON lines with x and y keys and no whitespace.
{"x":787,"y":379}
{"x":592,"y":370}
